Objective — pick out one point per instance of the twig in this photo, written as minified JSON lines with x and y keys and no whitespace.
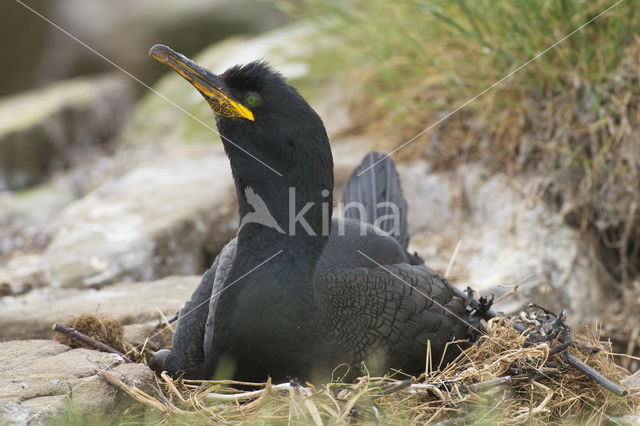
{"x":513,"y":289}
{"x":137,"y":394}
{"x":567,"y":338}
{"x":631,"y":346}
{"x":428,"y":363}
{"x":479,"y":387}
{"x":352,"y":402}
{"x":244,"y":396}
{"x":167,"y":322}
{"x":198,"y":383}
{"x":73,"y":333}
{"x":627,"y":356}
{"x":429,"y":387}
{"x":300,"y":393}
{"x":446,"y":347}
{"x":395,"y":387}
{"x":594,"y":375}
{"x":172,"y":387}
{"x":260,"y":400}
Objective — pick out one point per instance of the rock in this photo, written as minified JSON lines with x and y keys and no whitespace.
{"x":153,"y":335}
{"x":41,"y":53}
{"x":25,"y":216}
{"x":347,"y":155}
{"x":58,"y":126}
{"x":507,"y":235}
{"x":170,"y":215}
{"x":24,"y":46}
{"x":40,"y":379}
{"x":31,"y":316}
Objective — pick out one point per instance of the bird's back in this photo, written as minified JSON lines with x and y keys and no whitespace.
{"x":381,"y":306}
{"x":384,"y":316}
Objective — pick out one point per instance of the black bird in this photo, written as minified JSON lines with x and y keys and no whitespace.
{"x":298,"y":298}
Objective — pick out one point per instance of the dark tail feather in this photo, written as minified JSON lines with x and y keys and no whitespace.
{"x":379,"y":191}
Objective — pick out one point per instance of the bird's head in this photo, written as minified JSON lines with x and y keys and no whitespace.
{"x":262,"y":119}
{"x":257,"y":111}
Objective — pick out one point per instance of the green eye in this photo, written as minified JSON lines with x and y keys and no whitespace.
{"x":252,"y":99}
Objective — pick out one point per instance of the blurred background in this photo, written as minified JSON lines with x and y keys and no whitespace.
{"x":40,"y":54}
{"x":113,"y":200}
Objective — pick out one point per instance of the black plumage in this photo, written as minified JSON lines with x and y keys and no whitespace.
{"x":302,"y":297}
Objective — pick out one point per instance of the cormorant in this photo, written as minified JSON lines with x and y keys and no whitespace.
{"x":295,"y":293}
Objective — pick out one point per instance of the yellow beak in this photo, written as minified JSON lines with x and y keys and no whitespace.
{"x":207,"y":83}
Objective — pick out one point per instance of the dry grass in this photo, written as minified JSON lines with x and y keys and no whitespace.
{"x":501,"y":378}
{"x":102,"y":328}
{"x":584,"y":139}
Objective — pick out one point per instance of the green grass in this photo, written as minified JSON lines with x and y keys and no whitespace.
{"x":570,"y":114}
{"x":475,"y":43}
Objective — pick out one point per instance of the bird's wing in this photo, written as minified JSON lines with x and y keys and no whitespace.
{"x":391,"y":312}
{"x":192,"y":331}
{"x":216,"y":342}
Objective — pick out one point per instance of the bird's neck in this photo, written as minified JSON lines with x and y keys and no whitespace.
{"x":288,"y":206}
{"x":293,"y":210}
{"x":290,"y":240}
{"x":284,"y":214}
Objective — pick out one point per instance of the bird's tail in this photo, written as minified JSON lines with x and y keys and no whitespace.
{"x":374,"y":194}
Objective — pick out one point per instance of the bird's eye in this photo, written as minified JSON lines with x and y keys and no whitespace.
{"x":252,"y":99}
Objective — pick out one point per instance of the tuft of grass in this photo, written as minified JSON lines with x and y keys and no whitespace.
{"x":103,"y":328}
{"x":571,"y":114}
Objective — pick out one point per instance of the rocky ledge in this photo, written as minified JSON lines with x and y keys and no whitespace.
{"x":42,"y":379}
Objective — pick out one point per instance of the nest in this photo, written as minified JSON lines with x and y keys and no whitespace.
{"x":506,"y":376}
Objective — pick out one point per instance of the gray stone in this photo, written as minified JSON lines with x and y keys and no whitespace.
{"x":41,"y":378}
{"x":31,"y":315}
{"x":152,"y":335}
{"x":506,"y":235}
{"x":23,"y":228}
{"x":55,"y":127}
{"x":169,"y":215}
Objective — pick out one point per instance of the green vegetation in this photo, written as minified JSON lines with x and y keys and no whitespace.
{"x":571,"y":114}
{"x":473,"y":44}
